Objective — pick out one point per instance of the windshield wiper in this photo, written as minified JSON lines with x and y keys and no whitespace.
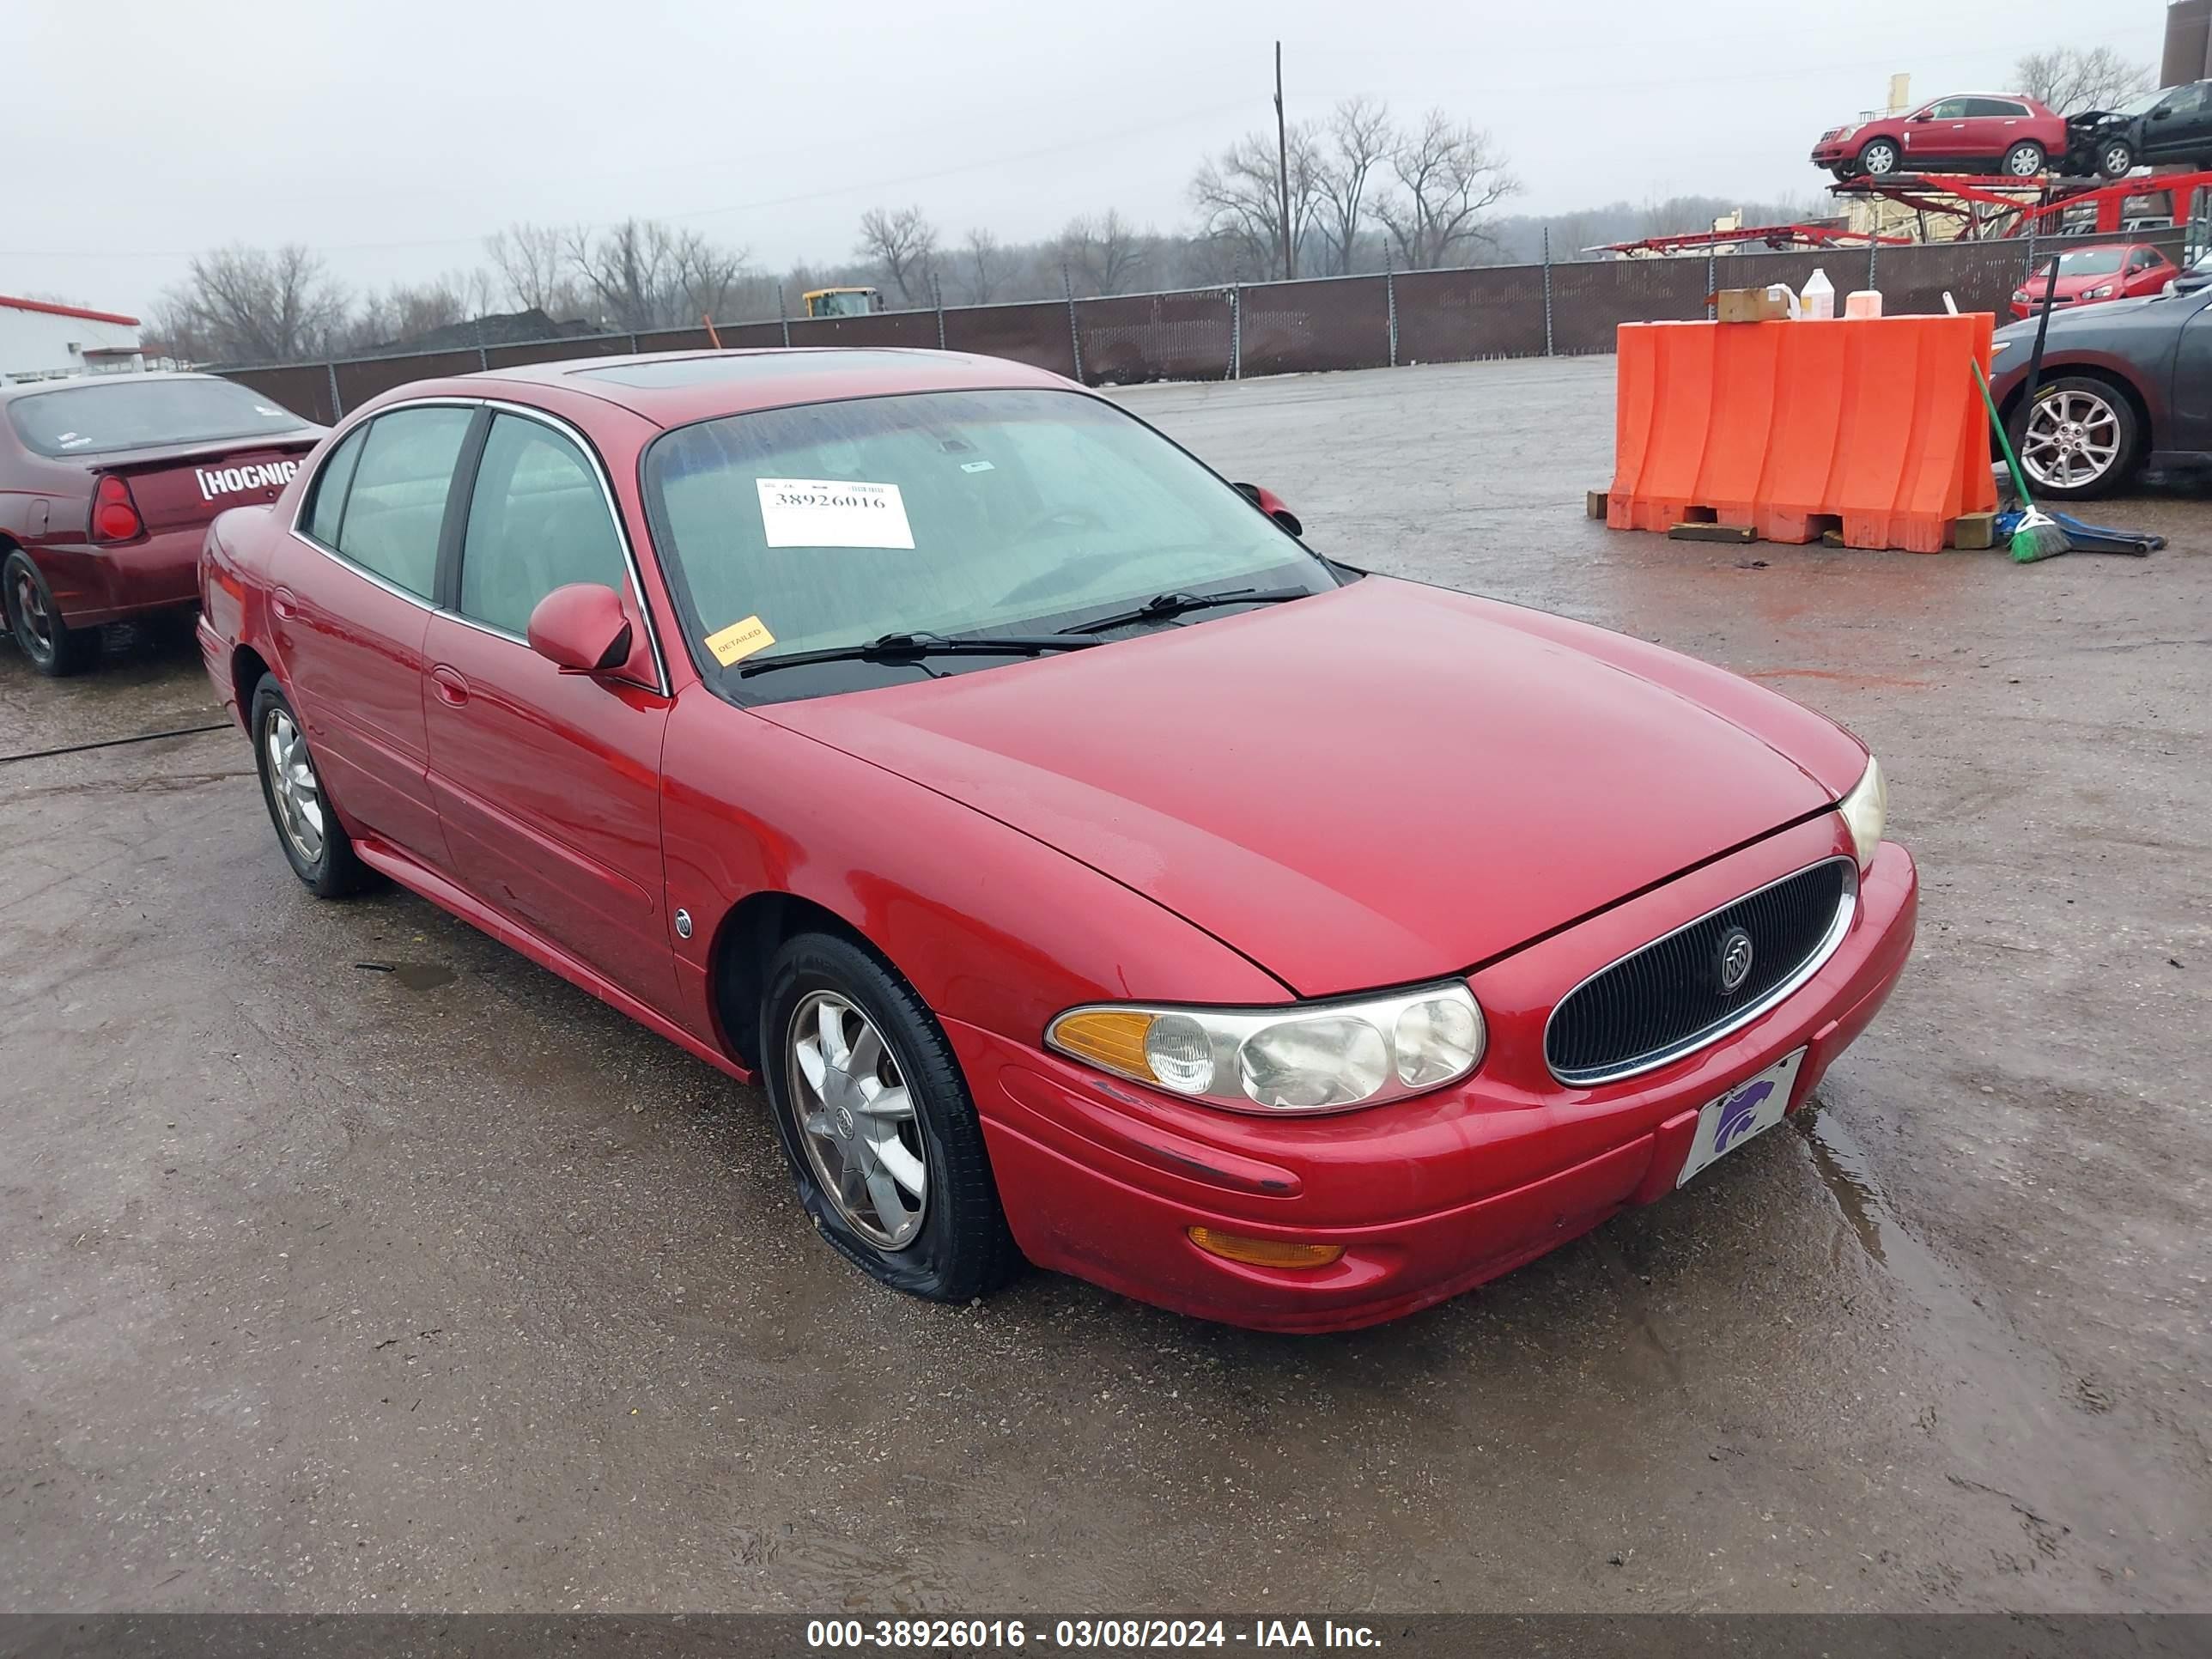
{"x":894,"y":647}
{"x":1161,"y":606}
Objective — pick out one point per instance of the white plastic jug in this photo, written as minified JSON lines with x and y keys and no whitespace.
{"x":1818,"y":299}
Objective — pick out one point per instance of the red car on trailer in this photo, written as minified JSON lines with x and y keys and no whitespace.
{"x":1088,"y":870}
{"x":1978,"y":132}
{"x":107,"y":485}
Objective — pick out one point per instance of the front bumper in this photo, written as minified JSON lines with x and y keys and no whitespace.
{"x":112,"y":581}
{"x":1430,"y":1196}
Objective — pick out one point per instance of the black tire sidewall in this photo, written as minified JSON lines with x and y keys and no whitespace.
{"x":960,"y":1252}
{"x":320,"y":874}
{"x":67,"y":651}
{"x":2131,"y":436}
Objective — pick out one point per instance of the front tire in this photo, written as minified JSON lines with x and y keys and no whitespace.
{"x":2026,"y":160}
{"x":1880,"y":158}
{"x":877,"y":1124}
{"x":51,"y":645}
{"x":2080,"y":439}
{"x":2115,"y":158}
{"x":315,"y":844}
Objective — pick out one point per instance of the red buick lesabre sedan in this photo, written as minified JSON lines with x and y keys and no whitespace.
{"x":107,"y":485}
{"x":1091,"y":872}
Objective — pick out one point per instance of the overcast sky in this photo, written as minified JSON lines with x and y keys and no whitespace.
{"x":393,"y":135}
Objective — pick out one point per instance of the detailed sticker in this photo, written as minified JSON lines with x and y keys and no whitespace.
{"x":739,"y":641}
{"x":977,"y":466}
{"x":833,"y":513}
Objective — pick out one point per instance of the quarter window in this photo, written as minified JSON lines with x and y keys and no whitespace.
{"x":396,"y":505}
{"x":538,"y":520}
{"x":329,"y":509}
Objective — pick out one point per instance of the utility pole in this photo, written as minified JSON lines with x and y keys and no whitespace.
{"x":1282,"y":174}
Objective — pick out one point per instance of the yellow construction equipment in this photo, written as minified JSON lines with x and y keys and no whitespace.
{"x":841,"y":301}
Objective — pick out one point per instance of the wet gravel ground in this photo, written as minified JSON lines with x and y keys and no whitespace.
{"x":347,"y":1260}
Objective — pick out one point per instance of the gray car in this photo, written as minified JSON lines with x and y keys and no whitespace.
{"x":2126,"y":385}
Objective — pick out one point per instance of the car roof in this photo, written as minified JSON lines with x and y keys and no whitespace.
{"x":59,"y":382}
{"x":675,"y":388}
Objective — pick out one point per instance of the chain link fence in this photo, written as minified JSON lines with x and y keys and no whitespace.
{"x":1384,"y":319}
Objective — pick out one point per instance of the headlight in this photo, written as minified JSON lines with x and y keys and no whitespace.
{"x":1844,"y":133}
{"x":2019,"y":298}
{"x":2103,"y":292}
{"x":1865,"y":810}
{"x":1306,"y":1057}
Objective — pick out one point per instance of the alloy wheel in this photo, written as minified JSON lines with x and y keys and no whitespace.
{"x":2073,"y":439}
{"x":293,"y":786}
{"x":2116,"y":162}
{"x":2024,"y":163}
{"x":34,"y":624}
{"x":857,"y":1121}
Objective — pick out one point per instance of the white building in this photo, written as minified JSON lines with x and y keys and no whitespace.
{"x":39,"y":340}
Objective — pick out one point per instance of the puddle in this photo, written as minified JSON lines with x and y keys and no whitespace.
{"x":415,"y":975}
{"x":1843,"y":1171}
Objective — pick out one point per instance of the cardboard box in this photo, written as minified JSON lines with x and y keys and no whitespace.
{"x":1752,"y":305}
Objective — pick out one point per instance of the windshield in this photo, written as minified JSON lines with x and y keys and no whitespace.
{"x":2141,"y":102}
{"x":127,"y":412}
{"x":951,"y":512}
{"x":2085,"y":262}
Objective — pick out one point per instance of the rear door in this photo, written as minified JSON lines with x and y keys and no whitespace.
{"x":2192,"y":382}
{"x":548,"y":783}
{"x":352,"y":593}
{"x":1994,"y":125}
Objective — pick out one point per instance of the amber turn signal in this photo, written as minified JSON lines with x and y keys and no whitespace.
{"x":1263,"y":1252}
{"x":1111,"y":1038}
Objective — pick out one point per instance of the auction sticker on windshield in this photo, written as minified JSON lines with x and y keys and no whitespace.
{"x":1750,"y":1108}
{"x":739,"y":641}
{"x":833,"y":513}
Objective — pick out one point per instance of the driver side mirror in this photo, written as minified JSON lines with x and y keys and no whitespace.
{"x":581,"y":629}
{"x":2162,"y":113}
{"x":1272,"y":505}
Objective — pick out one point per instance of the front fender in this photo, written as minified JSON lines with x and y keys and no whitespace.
{"x":993,"y":927}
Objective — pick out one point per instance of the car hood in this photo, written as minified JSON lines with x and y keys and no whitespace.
{"x":1386,"y":783}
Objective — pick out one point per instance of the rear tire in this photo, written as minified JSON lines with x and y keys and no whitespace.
{"x":52,"y":646}
{"x":904,"y":1192}
{"x":315,"y":844}
{"x":2026,"y":160}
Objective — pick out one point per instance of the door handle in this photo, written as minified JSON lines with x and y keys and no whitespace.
{"x":280,"y":601}
{"x":452,"y":688}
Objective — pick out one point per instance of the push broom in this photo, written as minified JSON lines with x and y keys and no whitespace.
{"x":2038,"y":535}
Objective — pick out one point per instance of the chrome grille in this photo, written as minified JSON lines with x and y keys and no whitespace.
{"x":1661,"y":1001}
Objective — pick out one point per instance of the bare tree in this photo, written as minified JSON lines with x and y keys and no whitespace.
{"x":1359,"y":139}
{"x":644,"y":275}
{"x":248,"y":304}
{"x":532,"y":265}
{"x":2074,"y":78}
{"x":983,"y":264}
{"x":1447,"y":176}
{"x":1104,"y":254}
{"x":901,"y":246}
{"x":1235,"y":194}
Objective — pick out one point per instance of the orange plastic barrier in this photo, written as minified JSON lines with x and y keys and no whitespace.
{"x":1872,"y":425}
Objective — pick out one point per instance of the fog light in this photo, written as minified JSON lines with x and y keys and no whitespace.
{"x":1263,"y":1252}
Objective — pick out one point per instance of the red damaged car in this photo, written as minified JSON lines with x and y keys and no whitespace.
{"x":1091,"y":872}
{"x":107,"y":485}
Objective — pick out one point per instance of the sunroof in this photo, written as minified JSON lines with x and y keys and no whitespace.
{"x":748,"y":365}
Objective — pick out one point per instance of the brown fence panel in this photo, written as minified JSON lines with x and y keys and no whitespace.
{"x":367,"y":377}
{"x":1128,"y":338}
{"x":1457,"y":316}
{"x":882,"y":328}
{"x":1033,"y":331}
{"x":674,"y":339}
{"x":749,"y":337}
{"x":303,"y":388}
{"x":1339,"y":322}
{"x":556,"y":351}
{"x":1591,"y":298}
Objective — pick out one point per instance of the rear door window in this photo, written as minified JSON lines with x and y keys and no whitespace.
{"x":538,"y":520}
{"x":397,"y":505}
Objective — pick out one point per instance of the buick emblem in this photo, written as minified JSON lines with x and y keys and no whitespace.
{"x":1734,"y":959}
